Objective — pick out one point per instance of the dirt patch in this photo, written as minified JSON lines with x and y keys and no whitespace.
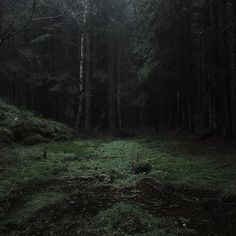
{"x":66,"y":217}
{"x":203,"y":211}
{"x":85,"y":198}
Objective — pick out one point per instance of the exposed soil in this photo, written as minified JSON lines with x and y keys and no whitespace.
{"x":203,"y":211}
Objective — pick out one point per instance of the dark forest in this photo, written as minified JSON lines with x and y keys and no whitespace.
{"x":118,"y":117}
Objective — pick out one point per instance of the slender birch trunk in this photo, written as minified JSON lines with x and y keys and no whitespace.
{"x":82,"y":71}
{"x":87,"y":121}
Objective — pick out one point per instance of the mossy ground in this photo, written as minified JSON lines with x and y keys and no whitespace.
{"x":174,"y":161}
{"x":24,"y":127}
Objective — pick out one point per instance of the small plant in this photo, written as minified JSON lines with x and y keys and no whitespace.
{"x":140,"y":167}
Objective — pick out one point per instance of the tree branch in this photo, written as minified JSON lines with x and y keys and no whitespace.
{"x":1,"y":2}
{"x":23,"y":27}
{"x":47,"y":18}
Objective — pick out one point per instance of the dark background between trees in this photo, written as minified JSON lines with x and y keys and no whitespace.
{"x":122,"y":64}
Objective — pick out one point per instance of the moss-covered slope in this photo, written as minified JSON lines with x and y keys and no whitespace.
{"x":23,"y":127}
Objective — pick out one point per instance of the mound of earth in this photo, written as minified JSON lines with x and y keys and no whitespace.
{"x":25,"y":128}
{"x":147,"y":208}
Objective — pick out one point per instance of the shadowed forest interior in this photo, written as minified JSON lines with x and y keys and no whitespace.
{"x":118,"y":117}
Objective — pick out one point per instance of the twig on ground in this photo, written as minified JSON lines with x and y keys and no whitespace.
{"x":189,"y":200}
{"x":10,"y":190}
{"x":120,"y":226}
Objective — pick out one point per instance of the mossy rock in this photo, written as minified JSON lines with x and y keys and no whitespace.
{"x":6,"y":135}
{"x":47,"y":131}
{"x":24,"y":125}
{"x":34,"y":139}
{"x":63,"y":133}
{"x":21,"y":132}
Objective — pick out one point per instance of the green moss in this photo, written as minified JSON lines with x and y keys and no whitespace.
{"x":129,"y":219}
{"x":113,"y":158}
{"x":27,"y":127}
{"x":32,"y":204}
{"x":25,"y":166}
{"x":32,"y":167}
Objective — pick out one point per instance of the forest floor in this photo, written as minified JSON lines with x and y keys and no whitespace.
{"x":87,"y":187}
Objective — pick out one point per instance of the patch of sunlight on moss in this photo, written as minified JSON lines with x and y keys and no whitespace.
{"x":120,"y":148}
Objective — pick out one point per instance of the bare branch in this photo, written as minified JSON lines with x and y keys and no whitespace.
{"x":1,"y":2}
{"x":23,"y":27}
{"x":47,"y":18}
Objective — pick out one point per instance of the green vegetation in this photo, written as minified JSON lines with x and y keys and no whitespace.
{"x":128,"y":219}
{"x":25,"y":128}
{"x":32,"y":204}
{"x":111,"y":158}
{"x":146,"y":91}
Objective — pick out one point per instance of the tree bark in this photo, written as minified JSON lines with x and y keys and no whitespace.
{"x":111,"y":87}
{"x":87,"y":119}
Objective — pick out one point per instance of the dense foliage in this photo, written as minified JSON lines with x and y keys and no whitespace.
{"x":112,"y":64}
{"x":189,"y":63}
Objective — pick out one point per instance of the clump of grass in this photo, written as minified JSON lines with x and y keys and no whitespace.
{"x":32,"y":204}
{"x":31,"y":167}
{"x":126,"y":218}
{"x":129,"y":219}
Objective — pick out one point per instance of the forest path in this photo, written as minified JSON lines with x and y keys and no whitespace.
{"x":86,"y":187}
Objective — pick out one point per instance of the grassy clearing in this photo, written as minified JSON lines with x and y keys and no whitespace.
{"x":25,"y":166}
{"x":113,"y":157}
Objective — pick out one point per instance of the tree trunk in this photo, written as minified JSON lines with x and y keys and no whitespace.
{"x":227,"y":72}
{"x":87,"y":119}
{"x":111,"y":87}
{"x":81,"y":70}
{"x":233,"y":65}
{"x":119,"y":91}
